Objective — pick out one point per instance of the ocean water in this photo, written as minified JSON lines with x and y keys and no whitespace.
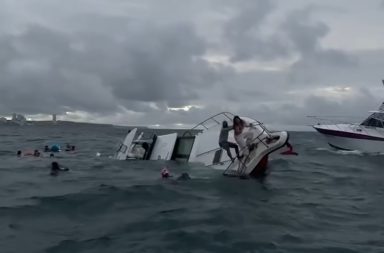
{"x":319,"y":201}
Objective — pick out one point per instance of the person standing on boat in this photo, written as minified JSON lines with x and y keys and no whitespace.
{"x":242,"y":137}
{"x":224,"y":143}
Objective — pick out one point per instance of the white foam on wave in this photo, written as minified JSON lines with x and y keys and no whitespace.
{"x":349,"y":152}
{"x":341,"y":152}
{"x":377,"y":154}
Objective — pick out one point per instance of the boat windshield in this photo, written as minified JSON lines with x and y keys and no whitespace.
{"x":374,"y":120}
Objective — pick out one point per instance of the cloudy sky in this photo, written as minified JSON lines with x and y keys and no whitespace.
{"x":168,"y":62}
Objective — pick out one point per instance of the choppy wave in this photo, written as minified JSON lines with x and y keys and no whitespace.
{"x":341,"y":152}
{"x":319,"y":201}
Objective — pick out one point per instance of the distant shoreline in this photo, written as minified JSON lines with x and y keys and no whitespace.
{"x":290,"y":128}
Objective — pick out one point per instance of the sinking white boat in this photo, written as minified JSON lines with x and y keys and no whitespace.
{"x":200,"y":145}
{"x":125,"y":147}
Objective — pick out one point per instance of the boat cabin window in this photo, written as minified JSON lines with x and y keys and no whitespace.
{"x":183,"y":148}
{"x":375,"y":120}
{"x":122,"y":148}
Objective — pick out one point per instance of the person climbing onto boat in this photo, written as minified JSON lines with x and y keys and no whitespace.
{"x":242,"y":137}
{"x":224,"y":143}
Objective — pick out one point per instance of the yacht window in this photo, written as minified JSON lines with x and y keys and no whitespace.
{"x":372,"y":122}
{"x":379,"y":116}
{"x":379,"y":123}
{"x":365,"y":122}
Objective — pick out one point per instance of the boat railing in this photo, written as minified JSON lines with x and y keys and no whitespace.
{"x":264,"y":130}
{"x":254,"y":140}
{"x":334,"y":120}
{"x":207,"y":152}
{"x":215,"y":120}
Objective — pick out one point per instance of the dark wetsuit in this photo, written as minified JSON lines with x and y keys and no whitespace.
{"x":225,"y":144}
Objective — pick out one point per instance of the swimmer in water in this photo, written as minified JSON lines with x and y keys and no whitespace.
{"x":36,"y":153}
{"x":55,"y":169}
{"x":55,"y":148}
{"x":70,"y":147}
{"x":166,"y":174}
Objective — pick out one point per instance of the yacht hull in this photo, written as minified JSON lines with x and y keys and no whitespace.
{"x":353,"y":137}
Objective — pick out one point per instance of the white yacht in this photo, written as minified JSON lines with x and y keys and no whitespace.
{"x":367,"y":137}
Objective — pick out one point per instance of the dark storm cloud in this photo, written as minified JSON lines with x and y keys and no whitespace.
{"x":305,"y":36}
{"x":37,"y":76}
{"x":94,"y":70}
{"x":274,"y":98}
{"x":298,"y":34}
{"x":160,"y":66}
{"x":244,"y":36}
{"x":303,"y":33}
{"x":115,"y":60}
{"x":266,"y":95}
{"x":255,"y":86}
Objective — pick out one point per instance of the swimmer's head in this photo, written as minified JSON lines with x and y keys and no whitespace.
{"x":55,"y":166}
{"x":165,"y":173}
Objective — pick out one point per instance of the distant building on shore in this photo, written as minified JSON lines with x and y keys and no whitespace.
{"x":18,"y":119}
